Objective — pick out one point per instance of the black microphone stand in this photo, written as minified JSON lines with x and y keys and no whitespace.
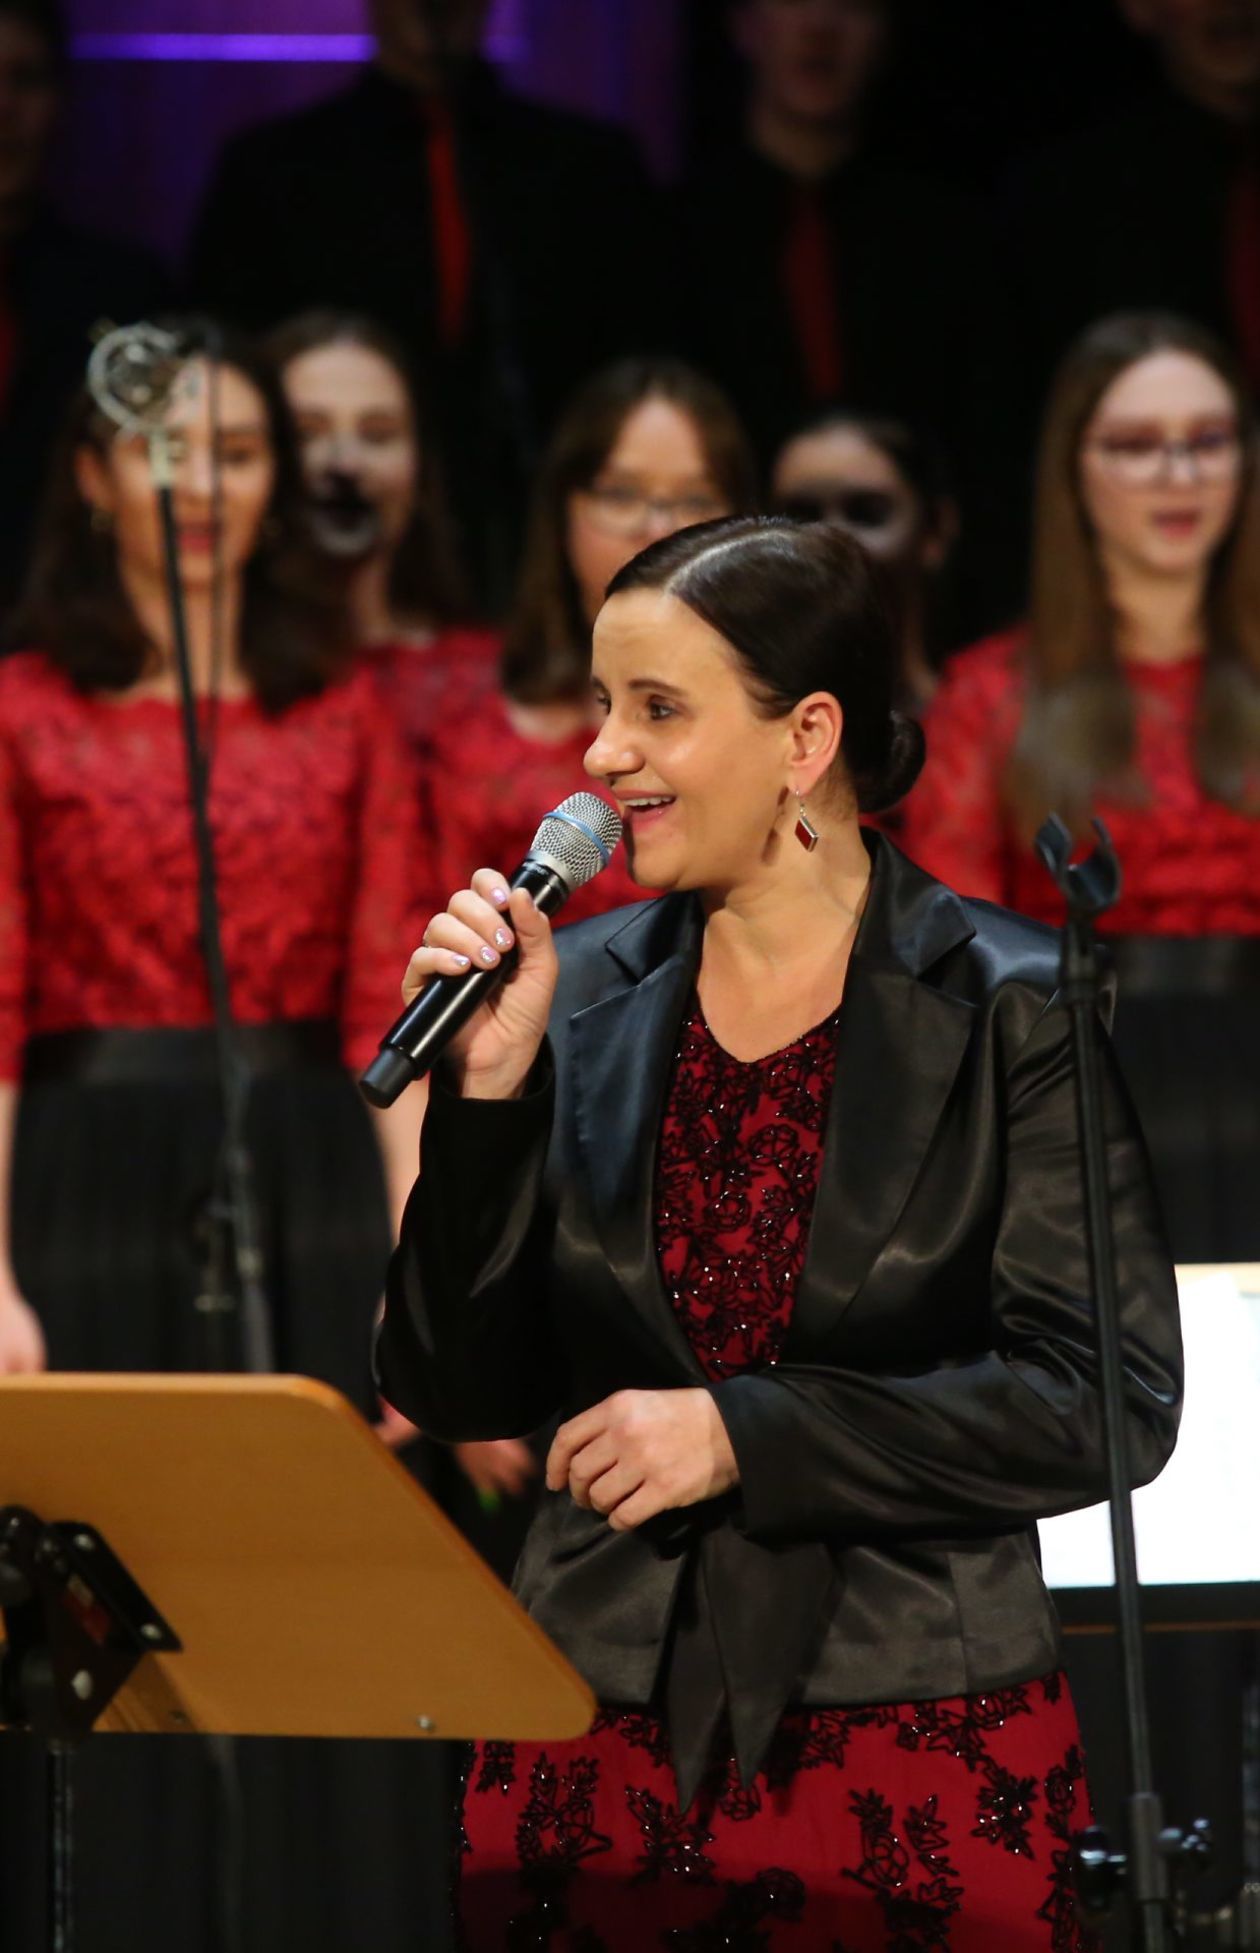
{"x":233,"y":1261}
{"x":232,"y":1293}
{"x":1156,"y":1856}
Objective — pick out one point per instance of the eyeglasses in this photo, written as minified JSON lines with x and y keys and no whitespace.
{"x":1214,"y":452}
{"x":627,"y":512}
{"x":869,"y":509}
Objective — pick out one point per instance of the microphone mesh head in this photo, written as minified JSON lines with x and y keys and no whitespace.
{"x":577,"y":838}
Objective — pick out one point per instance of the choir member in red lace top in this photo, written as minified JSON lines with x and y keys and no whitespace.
{"x":109,"y":1096}
{"x":378,"y":515}
{"x":646,"y":447}
{"x":1133,"y":693}
{"x":768,"y":1191}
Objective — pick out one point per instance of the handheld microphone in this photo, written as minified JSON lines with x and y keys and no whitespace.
{"x":570,"y":848}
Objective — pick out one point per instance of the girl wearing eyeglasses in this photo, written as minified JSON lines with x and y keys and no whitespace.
{"x":646,"y":447}
{"x":1133,"y":693}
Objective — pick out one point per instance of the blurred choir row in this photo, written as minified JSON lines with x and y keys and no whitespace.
{"x":444,"y":414}
{"x":348,"y":484}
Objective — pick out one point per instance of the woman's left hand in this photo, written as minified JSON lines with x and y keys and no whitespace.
{"x":641,"y":1452}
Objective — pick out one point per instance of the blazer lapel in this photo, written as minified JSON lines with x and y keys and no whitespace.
{"x":899,"y":1045}
{"x":621,"y":1053}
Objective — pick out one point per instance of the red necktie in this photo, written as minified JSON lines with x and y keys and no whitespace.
{"x":452,"y":241}
{"x":1242,"y":261}
{"x":810,"y":288}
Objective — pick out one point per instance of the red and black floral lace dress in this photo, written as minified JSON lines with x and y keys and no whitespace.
{"x":941,"y":1824}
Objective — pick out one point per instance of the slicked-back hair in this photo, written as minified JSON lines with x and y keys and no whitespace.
{"x":799,"y":605}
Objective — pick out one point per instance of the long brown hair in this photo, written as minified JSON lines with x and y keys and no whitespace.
{"x":426,"y":579}
{"x":76,"y":609}
{"x":1078,"y":729}
{"x":547,"y":649}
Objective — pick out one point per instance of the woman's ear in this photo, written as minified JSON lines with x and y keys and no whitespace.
{"x":817,"y":724}
{"x":92,"y":478}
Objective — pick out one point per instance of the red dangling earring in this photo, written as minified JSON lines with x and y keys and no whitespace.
{"x":805,"y":831}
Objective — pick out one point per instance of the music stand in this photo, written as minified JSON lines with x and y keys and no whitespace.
{"x":1200,"y":1568}
{"x":241,"y":1556}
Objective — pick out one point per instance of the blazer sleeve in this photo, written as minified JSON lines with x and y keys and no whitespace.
{"x":1014,"y":1433}
{"x":465,"y":1348}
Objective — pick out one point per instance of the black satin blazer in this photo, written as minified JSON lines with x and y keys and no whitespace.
{"x":937,"y":1392}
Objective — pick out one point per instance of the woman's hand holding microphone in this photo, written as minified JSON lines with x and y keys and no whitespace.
{"x":494,"y":1052}
{"x":638,"y":1452}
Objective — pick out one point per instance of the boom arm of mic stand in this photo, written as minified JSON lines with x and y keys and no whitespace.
{"x":236,"y":1193}
{"x":1089,"y":888}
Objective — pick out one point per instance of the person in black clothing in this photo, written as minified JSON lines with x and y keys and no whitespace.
{"x":56,"y":280}
{"x":820,"y":268}
{"x":490,"y":235}
{"x":1159,"y":206}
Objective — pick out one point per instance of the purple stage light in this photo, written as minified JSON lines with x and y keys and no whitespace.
{"x":343,"y":48}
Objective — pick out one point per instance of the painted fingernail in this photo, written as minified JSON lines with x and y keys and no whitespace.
{"x":503,"y":937}
{"x":463,"y":961}
{"x":499,"y":896}
{"x":489,"y":955}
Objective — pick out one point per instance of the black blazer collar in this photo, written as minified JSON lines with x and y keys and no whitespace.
{"x":899,"y":1043}
{"x":910,"y":922}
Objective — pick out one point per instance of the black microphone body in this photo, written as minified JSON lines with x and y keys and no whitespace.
{"x":573,"y":844}
{"x":412,"y":1045}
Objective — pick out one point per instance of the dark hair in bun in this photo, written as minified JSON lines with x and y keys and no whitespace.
{"x":798,"y":604}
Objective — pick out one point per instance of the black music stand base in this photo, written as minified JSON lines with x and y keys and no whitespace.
{"x":75,"y":1624}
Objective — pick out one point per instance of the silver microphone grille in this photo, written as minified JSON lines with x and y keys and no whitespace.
{"x":577,"y":838}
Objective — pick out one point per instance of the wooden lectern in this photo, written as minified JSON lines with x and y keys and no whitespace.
{"x":252,"y":1561}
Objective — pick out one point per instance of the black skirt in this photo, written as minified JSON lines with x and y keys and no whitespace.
{"x":206,"y":1846}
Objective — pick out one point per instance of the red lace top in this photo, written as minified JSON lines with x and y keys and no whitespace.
{"x":488,"y":788}
{"x":318,"y":847}
{"x":736,"y":1178}
{"x":427,"y":685}
{"x":1191,"y":866}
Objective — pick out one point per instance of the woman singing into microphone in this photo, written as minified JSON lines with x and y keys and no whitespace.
{"x":770,"y":1189}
